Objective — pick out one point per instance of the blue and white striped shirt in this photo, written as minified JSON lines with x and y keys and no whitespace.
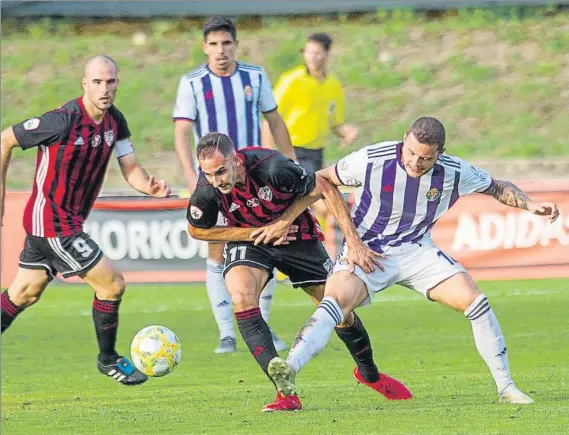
{"x":393,"y":208}
{"x":229,"y":105}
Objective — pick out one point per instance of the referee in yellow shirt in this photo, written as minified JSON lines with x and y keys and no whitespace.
{"x":311,"y":103}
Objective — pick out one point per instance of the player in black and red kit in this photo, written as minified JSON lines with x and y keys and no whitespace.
{"x":252,"y":188}
{"x":75,"y":143}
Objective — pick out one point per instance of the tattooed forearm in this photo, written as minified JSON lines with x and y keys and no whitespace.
{"x":507,"y":193}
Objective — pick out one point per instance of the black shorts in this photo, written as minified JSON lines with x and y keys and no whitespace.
{"x":70,"y":256}
{"x":312,"y":160}
{"x":305,"y":262}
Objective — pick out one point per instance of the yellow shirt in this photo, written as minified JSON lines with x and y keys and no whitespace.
{"x":309,"y":107}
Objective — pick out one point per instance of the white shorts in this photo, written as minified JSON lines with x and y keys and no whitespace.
{"x":419,"y":266}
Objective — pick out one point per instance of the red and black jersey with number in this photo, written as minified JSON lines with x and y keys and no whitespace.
{"x":272,"y":183}
{"x":73,"y":153}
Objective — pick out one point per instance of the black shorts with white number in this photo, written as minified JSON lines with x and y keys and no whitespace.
{"x":305,"y":262}
{"x":70,"y":256}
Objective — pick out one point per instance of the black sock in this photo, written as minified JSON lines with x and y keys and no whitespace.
{"x":356,"y":339}
{"x":9,"y":310}
{"x":106,"y":318}
{"x":257,"y":336}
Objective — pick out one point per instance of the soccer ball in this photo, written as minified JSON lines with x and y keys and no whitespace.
{"x":155,"y":350}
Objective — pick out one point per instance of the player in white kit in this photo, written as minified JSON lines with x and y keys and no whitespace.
{"x":405,"y":188}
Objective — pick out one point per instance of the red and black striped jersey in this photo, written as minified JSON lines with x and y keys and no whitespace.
{"x":272,"y":183}
{"x":73,"y":153}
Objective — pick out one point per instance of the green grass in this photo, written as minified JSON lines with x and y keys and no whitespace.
{"x":50,"y":384}
{"x":496,"y":77}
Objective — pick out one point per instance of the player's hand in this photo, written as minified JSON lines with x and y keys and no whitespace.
{"x":158,"y":188}
{"x":349,"y":134}
{"x":359,"y":254}
{"x":544,"y":209}
{"x":277,"y":233}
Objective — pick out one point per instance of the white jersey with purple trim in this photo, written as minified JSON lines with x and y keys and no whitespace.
{"x":393,"y":208}
{"x":231,"y":105}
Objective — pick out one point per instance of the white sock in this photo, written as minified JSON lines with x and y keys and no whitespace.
{"x":220,"y":299}
{"x":315,"y":333}
{"x":266,"y":299}
{"x":490,"y":341}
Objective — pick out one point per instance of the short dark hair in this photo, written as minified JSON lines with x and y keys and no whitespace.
{"x":429,"y":131}
{"x":219,"y":24}
{"x":322,"y":38}
{"x":212,"y":142}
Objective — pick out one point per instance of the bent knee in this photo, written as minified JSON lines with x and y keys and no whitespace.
{"x":114,"y":290}
{"x":244,"y":300}
{"x":28,"y":293}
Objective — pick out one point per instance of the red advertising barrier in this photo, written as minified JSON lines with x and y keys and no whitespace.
{"x":148,"y":241}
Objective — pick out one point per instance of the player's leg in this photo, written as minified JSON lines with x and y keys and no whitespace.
{"x":440,"y":278}
{"x":247,"y":269}
{"x":460,"y":293}
{"x":79,"y":255}
{"x":219,"y":299}
{"x":25,"y":290}
{"x":109,"y":286}
{"x":353,"y":334}
{"x":344,"y":291}
{"x":33,"y":276}
{"x":265,"y":302}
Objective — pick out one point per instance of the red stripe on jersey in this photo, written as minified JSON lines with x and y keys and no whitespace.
{"x":100,"y":167}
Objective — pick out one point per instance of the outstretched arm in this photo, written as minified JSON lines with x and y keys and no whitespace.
{"x":221,"y":234}
{"x":509,"y":194}
{"x":136,"y":176}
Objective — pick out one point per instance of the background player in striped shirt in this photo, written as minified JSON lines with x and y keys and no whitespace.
{"x":406,"y":187}
{"x":254,"y":187}
{"x":75,"y":143}
{"x":228,"y":97}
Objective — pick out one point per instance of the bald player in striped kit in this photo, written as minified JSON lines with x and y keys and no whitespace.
{"x":406,"y":187}
{"x":228,"y":97}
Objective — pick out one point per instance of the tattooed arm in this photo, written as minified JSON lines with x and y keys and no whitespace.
{"x":509,"y":194}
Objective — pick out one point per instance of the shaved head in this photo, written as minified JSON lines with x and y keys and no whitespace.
{"x":98,"y":61}
{"x":100,"y":83}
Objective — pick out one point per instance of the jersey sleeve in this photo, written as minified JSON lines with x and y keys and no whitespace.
{"x":288,"y":176}
{"x":473,"y":179}
{"x":48,"y":129}
{"x":338,"y":115}
{"x":185,"y":106}
{"x":123,"y":146}
{"x":351,"y":170}
{"x":203,"y":208}
{"x":267,"y":101}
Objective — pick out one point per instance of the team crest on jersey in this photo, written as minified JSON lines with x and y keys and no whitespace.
{"x":195,"y":212}
{"x":96,"y":141}
{"x":253,"y":202}
{"x":233,"y":207}
{"x":31,"y":124}
{"x":434,"y":194}
{"x":248,"y":91}
{"x":343,"y":164}
{"x":265,"y":193}
{"x":109,"y":137}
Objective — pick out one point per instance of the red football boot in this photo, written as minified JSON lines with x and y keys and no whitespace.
{"x":284,"y":403}
{"x":391,"y":388}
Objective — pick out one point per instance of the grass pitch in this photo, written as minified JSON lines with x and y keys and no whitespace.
{"x":50,"y":384}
